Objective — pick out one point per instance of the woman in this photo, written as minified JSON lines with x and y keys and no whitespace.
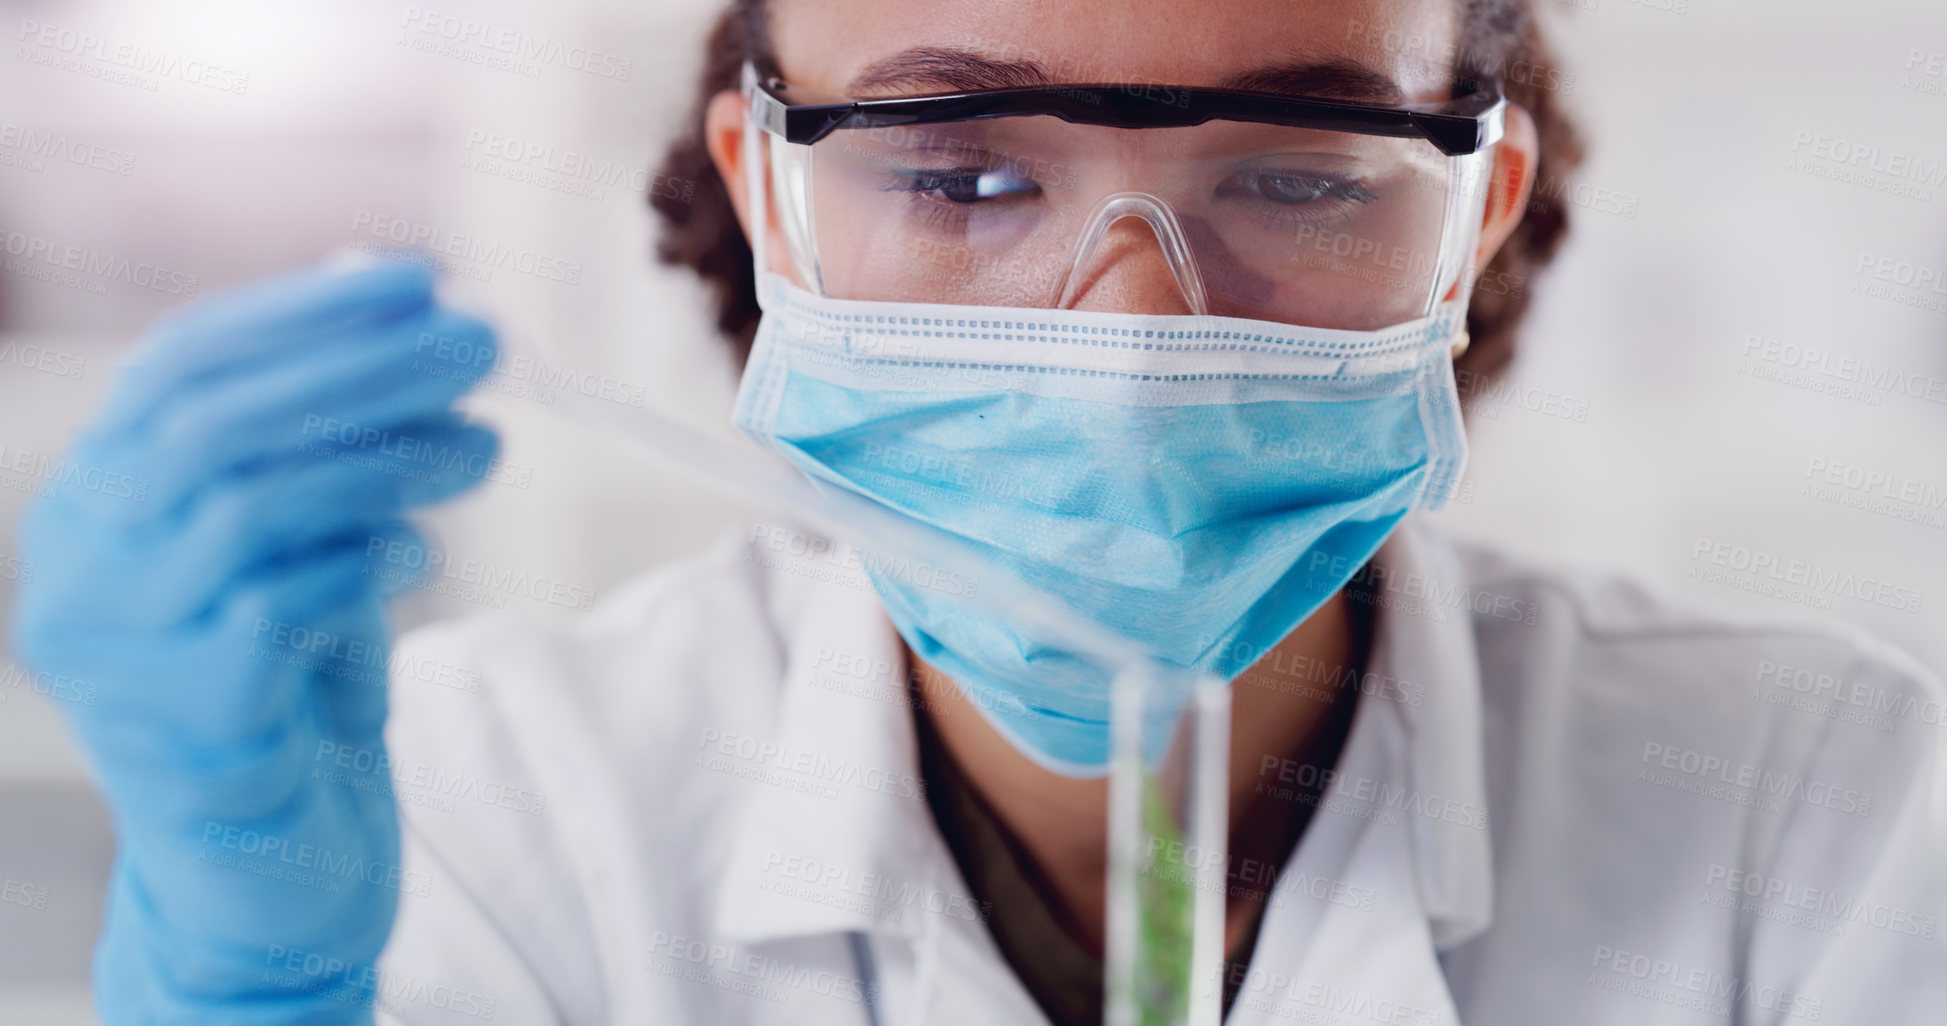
{"x":1241,"y":236}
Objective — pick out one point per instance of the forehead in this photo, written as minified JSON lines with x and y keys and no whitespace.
{"x":828,"y":45}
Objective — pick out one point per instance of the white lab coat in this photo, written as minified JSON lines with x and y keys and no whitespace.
{"x":1562,"y":801}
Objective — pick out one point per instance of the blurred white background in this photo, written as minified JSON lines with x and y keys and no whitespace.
{"x":1719,"y":205}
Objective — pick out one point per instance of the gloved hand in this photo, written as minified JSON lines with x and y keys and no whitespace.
{"x":212,"y":572}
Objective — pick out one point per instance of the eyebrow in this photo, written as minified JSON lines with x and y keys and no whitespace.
{"x":950,"y":69}
{"x":1337,"y":78}
{"x":946,"y":69}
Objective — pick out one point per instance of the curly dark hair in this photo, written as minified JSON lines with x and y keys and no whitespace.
{"x":1499,"y":38}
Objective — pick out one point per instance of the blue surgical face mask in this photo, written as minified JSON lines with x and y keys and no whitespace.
{"x":1200,"y":484}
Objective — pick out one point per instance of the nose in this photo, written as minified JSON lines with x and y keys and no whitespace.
{"x":1133,"y":257}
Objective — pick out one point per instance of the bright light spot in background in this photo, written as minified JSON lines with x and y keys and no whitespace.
{"x":313,"y":67}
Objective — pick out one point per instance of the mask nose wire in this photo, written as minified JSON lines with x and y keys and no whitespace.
{"x":1169,"y":235}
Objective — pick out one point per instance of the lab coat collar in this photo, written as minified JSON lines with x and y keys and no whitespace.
{"x":838,"y":837}
{"x":1424,"y":635}
{"x":876,"y":858}
{"x":1395,"y":866}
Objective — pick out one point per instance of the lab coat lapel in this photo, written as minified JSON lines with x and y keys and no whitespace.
{"x":837,"y":836}
{"x":1445,"y":762}
{"x":865,"y":837}
{"x":1396,"y":864}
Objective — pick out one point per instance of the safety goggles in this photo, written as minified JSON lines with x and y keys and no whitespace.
{"x":1310,"y":211}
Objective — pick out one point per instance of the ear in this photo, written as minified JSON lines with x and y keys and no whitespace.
{"x":1509,"y":184}
{"x":723,"y":135}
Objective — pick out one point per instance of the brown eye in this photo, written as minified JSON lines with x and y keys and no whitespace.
{"x":972,"y":185}
{"x":1288,"y":190}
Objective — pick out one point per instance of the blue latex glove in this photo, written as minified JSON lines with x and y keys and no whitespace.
{"x":213,"y":573}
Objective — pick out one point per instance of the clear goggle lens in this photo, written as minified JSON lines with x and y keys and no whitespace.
{"x":1301,"y":226}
